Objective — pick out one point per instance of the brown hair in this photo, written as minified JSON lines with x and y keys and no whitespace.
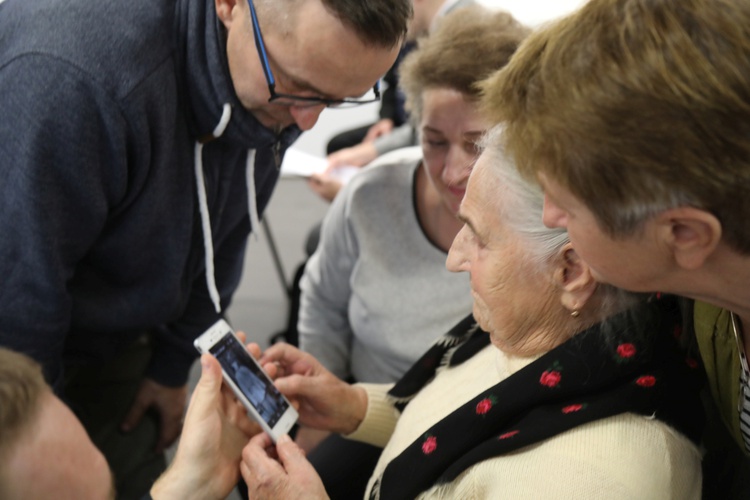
{"x":21,"y":385}
{"x":378,"y":23}
{"x":467,"y":46}
{"x":637,"y":106}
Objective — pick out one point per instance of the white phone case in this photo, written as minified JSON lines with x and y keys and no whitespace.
{"x":253,"y":388}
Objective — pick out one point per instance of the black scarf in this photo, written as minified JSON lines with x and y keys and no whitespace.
{"x":631,"y":364}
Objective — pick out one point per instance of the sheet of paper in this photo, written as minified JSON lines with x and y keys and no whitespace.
{"x":299,"y":163}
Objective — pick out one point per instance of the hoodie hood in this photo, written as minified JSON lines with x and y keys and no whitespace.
{"x":207,"y":82}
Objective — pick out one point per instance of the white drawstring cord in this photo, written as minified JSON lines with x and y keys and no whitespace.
{"x":252,"y":206}
{"x":203,"y":203}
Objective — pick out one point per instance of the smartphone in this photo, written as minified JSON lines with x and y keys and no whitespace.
{"x":248,"y":381}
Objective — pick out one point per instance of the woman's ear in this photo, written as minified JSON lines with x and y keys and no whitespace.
{"x":224,"y":11}
{"x":574,"y":279}
{"x":690,"y":233}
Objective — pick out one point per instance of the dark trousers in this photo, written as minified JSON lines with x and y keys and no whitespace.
{"x":100,"y":395}
{"x":345,"y":466}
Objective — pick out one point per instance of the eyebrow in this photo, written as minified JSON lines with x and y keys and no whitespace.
{"x":301,"y":84}
{"x":304,"y":85}
{"x":472,"y":135}
{"x":466,"y":221}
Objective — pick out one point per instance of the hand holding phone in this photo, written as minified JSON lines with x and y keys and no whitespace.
{"x":252,"y":386}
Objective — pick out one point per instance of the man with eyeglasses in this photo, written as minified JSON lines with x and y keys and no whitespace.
{"x":427,"y":14}
{"x":139,"y":145}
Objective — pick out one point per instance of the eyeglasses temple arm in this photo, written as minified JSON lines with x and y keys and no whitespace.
{"x":261,"y":48}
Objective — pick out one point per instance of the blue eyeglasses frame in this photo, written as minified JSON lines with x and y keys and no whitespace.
{"x":296,"y":100}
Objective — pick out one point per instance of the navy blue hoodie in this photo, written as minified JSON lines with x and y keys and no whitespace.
{"x":101,"y":105}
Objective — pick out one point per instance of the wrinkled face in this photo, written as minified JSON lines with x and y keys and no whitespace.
{"x":56,"y":458}
{"x":317,"y":57}
{"x":510,"y":295}
{"x":450,"y":128}
{"x":633,"y":263}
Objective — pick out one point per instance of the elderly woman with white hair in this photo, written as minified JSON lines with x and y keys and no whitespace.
{"x":576,"y":390}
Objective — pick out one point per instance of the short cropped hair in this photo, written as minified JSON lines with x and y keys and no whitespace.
{"x":636,"y":106}
{"x":377,"y":23}
{"x":21,"y":387}
{"x":467,"y":46}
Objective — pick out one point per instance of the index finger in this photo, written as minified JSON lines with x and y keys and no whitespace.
{"x":256,"y":450}
{"x":254,"y":349}
{"x":288,"y":360}
{"x":262,"y":441}
{"x":281,"y":352}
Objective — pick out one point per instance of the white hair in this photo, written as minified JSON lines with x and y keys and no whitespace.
{"x":523,"y":201}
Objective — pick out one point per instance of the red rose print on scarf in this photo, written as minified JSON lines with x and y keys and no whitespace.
{"x":509,"y":434}
{"x":573,"y":408}
{"x":429,"y":445}
{"x":485,"y":405}
{"x":551,"y":377}
{"x":626,"y":350}
{"x":677,"y":333}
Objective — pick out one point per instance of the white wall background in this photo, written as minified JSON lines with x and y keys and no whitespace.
{"x":333,"y":121}
{"x":534,"y":12}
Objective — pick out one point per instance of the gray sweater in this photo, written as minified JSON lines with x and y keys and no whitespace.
{"x":376,"y":293}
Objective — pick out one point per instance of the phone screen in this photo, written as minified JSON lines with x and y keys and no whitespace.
{"x":251,"y":380}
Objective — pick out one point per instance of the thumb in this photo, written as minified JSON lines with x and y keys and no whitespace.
{"x":208,"y":387}
{"x":291,"y":456}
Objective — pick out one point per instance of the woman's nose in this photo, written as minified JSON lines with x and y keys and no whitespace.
{"x":458,"y":164}
{"x":456,"y":262}
{"x":552,"y":215}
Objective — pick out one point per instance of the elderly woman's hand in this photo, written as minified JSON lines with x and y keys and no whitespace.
{"x":280,"y":472}
{"x":323,"y":400}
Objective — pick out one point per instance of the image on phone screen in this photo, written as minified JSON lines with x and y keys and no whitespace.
{"x":250,"y":379}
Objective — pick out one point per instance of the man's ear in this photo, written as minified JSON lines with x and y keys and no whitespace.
{"x":224,"y":10}
{"x":574,"y":279}
{"x":690,"y":233}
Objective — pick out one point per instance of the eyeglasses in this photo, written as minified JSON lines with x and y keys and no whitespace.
{"x":297,"y":100}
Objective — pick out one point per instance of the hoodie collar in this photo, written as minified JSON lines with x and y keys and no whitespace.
{"x":206,"y":81}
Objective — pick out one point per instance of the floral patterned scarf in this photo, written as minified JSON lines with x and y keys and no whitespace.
{"x":631,"y":364}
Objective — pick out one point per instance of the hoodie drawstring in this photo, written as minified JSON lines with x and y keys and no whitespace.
{"x":208,"y":245}
{"x":252,"y":205}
